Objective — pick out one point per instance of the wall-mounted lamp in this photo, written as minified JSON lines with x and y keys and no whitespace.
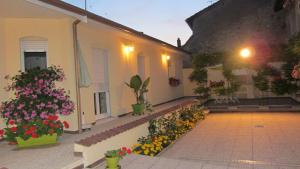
{"x":127,"y":49}
{"x":165,"y":59}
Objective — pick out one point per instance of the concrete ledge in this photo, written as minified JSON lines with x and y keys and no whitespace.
{"x":94,"y":147}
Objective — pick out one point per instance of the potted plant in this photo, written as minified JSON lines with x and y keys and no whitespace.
{"x":139,"y":88}
{"x":113,"y":157}
{"x":32,"y":116}
{"x":174,"y":82}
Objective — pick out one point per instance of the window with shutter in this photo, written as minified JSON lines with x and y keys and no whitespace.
{"x":34,"y":53}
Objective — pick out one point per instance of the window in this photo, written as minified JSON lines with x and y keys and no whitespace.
{"x":35,"y":60}
{"x":172,"y":68}
{"x":34,"y":53}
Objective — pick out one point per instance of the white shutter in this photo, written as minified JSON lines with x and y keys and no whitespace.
{"x":34,"y":45}
{"x":100,"y":69}
{"x":141,"y":66}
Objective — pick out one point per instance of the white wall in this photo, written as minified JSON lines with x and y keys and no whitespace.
{"x":187,"y":84}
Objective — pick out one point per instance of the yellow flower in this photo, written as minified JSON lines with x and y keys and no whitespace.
{"x":146,"y":152}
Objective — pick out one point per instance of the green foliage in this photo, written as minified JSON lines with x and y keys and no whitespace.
{"x":261,"y":81}
{"x":199,"y":74}
{"x":139,"y":88}
{"x":202,"y":91}
{"x":201,"y":61}
{"x":119,"y":153}
{"x":175,"y":123}
{"x":283,"y":86}
{"x":281,"y":82}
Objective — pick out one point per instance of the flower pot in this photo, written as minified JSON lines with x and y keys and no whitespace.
{"x":138,"y":109}
{"x":112,"y":162}
{"x":31,"y":142}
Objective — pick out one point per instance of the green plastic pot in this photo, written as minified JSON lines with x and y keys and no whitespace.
{"x":112,"y":162}
{"x":138,"y":109}
{"x":32,"y":142}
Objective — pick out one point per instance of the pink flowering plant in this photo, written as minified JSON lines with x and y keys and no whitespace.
{"x":37,"y":103}
{"x":296,"y":72}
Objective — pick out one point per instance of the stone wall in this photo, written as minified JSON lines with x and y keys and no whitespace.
{"x":232,"y":24}
{"x":293,"y":18}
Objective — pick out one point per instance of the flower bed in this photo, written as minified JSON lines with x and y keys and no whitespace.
{"x":33,"y":113}
{"x":166,"y":130}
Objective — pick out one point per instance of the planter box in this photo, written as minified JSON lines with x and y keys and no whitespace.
{"x":31,"y":142}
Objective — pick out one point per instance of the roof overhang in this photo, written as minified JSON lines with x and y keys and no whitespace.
{"x":85,"y":15}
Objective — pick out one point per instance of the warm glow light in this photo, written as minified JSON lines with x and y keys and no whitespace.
{"x":165,"y":59}
{"x":245,"y":53}
{"x":168,"y":57}
{"x":127,"y":50}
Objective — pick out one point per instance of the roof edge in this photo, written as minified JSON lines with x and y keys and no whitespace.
{"x":93,"y":16}
{"x":189,"y":20}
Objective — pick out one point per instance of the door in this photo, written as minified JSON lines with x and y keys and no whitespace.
{"x":100,"y":83}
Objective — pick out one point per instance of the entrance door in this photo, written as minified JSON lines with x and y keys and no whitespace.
{"x":100,"y":83}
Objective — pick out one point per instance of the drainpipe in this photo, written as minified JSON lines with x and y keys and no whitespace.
{"x":77,"y":72}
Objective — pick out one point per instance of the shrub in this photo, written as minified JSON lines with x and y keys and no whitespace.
{"x":165,"y":130}
{"x":36,"y":100}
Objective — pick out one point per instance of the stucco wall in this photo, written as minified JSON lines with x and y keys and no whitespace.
{"x":3,"y":94}
{"x":121,"y":67}
{"x":58,"y":32}
{"x":187,"y":84}
{"x":60,"y":50}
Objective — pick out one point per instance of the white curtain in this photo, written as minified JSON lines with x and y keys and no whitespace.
{"x":85,"y":78}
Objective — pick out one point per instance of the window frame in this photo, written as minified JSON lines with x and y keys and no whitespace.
{"x":24,"y":49}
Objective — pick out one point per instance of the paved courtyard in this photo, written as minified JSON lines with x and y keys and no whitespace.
{"x":232,"y":140}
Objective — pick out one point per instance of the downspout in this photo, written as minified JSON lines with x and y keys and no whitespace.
{"x":77,"y":72}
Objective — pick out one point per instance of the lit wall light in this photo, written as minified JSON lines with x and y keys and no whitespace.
{"x":245,"y":53}
{"x":165,"y":59}
{"x":127,"y":49}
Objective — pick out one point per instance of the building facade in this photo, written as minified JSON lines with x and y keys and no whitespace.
{"x":99,"y":54}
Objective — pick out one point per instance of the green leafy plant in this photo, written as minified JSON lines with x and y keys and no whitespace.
{"x":165,"y":130}
{"x":119,"y":153}
{"x":261,"y":81}
{"x":139,"y":88}
{"x":199,"y":74}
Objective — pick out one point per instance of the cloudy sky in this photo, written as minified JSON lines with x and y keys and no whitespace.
{"x":163,"y":19}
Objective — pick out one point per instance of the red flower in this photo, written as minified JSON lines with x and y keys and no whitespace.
{"x":32,"y":128}
{"x":128,"y":151}
{"x":34,"y":135}
{"x":121,"y":153}
{"x":66,"y":124}
{"x":28,"y":132}
{"x":45,"y":122}
{"x":51,"y":125}
{"x":1,"y":133}
{"x":124,"y":149}
{"x":11,"y":122}
{"x":53,"y":118}
{"x":13,"y":129}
